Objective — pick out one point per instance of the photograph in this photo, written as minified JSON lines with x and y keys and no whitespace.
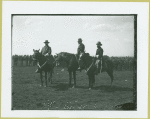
{"x":74,"y":62}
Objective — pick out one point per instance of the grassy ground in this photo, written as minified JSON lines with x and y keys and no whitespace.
{"x":28,"y":95}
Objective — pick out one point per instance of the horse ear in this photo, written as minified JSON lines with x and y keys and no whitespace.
{"x":39,"y":49}
{"x":33,"y":50}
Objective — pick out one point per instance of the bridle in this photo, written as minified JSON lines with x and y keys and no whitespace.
{"x":38,"y":59}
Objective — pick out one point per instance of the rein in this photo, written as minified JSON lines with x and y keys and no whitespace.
{"x":44,"y":62}
{"x":85,"y":64}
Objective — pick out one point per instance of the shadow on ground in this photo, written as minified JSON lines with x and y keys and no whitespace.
{"x":105,"y":88}
{"x":60,"y":87}
{"x":109,"y":88}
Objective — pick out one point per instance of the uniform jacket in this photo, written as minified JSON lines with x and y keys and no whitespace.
{"x":81,"y":48}
{"x":99,"y":52}
{"x":46,"y":49}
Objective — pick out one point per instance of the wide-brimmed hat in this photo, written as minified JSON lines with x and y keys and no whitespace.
{"x":79,"y":40}
{"x":46,"y":41}
{"x":99,"y":43}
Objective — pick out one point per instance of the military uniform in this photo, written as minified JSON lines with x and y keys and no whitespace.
{"x":99,"y":58}
{"x":99,"y":52}
{"x":80,"y":49}
{"x":45,"y":50}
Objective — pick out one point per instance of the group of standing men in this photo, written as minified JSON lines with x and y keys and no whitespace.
{"x":46,"y":51}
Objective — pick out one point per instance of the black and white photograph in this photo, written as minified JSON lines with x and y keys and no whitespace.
{"x":74,"y":62}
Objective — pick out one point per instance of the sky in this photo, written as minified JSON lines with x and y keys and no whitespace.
{"x":116,"y":33}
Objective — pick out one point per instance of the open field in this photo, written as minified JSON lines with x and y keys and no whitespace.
{"x":28,"y":95}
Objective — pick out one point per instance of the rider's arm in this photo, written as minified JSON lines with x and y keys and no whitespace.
{"x":42,"y":50}
{"x":82,"y":47}
{"x":50,"y":51}
{"x":99,"y":53}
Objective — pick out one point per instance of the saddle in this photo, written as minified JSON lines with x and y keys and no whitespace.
{"x":50,"y":59}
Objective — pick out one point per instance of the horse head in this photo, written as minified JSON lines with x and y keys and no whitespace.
{"x":63,"y":56}
{"x":85,"y":60}
{"x":58,"y":59}
{"x":36,"y":55}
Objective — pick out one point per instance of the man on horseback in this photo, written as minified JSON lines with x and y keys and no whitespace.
{"x":99,"y":58}
{"x":80,"y":51}
{"x":46,"y":51}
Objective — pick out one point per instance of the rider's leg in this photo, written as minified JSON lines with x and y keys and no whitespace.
{"x":97,"y":67}
{"x":79,"y":62}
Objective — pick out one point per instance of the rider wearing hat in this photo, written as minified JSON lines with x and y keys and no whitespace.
{"x":80,"y":50}
{"x":99,"y":56}
{"x":46,"y":51}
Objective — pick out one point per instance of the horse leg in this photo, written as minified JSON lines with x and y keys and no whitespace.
{"x":93,"y":80}
{"x":89,"y":82}
{"x":70,"y":77}
{"x":46,"y":78}
{"x":74,"y":77}
{"x":50,"y":77}
{"x":110,"y":73}
{"x":41,"y":77}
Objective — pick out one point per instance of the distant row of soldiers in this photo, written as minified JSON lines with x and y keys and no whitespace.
{"x":119,"y":63}
{"x":23,"y":60}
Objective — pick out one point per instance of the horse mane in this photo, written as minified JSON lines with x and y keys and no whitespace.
{"x":88,"y":55}
{"x":65,"y":54}
{"x":67,"y":57}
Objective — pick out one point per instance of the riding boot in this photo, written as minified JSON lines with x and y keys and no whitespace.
{"x":79,"y":68}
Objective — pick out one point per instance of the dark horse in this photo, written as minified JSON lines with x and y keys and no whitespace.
{"x":72,"y":64}
{"x":87,"y":62}
{"x":45,"y":66}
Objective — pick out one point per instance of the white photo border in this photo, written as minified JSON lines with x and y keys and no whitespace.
{"x":48,"y":7}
